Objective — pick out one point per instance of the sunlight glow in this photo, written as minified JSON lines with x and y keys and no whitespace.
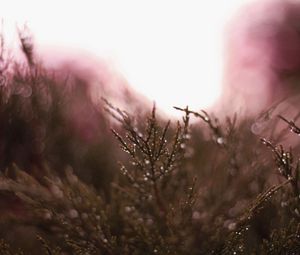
{"x":171,"y":51}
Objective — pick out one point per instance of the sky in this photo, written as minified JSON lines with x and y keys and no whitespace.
{"x":169,"y":50}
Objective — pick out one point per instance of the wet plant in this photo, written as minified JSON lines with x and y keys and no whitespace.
{"x":140,"y":184}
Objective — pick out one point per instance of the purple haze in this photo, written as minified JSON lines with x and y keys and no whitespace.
{"x":262,"y":55}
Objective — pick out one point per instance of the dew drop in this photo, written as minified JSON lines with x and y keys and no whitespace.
{"x":280,"y":169}
{"x":220,"y":140}
{"x":196,"y":215}
{"x":283,"y":204}
{"x":47,"y":216}
{"x":256,"y":128}
{"x":73,"y":213}
{"x":187,"y":136}
{"x":232,"y":226}
{"x":84,"y":216}
{"x":56,"y":191}
{"x":149,"y":222}
{"x":128,"y":209}
{"x":264,"y":141}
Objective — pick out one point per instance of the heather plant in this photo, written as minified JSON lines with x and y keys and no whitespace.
{"x":210,"y":186}
{"x":41,"y":115}
{"x":156,"y":204}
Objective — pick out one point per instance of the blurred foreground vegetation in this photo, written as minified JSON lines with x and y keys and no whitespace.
{"x":81,"y":178}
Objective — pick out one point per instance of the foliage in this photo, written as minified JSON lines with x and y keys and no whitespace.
{"x":206,"y":187}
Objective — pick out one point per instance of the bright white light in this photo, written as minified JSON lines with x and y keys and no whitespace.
{"x":169,"y":50}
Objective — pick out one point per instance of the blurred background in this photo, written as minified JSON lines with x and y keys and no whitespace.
{"x":170,"y":51}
